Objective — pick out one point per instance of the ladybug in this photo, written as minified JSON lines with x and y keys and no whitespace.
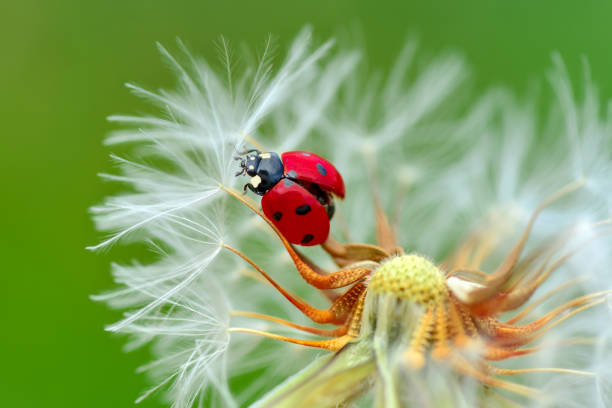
{"x":297,"y":190}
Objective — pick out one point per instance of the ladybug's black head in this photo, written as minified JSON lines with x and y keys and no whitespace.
{"x":265,"y":169}
{"x":251,"y":162}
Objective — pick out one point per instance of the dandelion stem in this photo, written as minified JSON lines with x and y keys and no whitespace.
{"x":504,"y":371}
{"x":333,"y":344}
{"x":254,"y":142}
{"x":340,"y":331}
{"x":338,"y":279}
{"x":543,"y":298}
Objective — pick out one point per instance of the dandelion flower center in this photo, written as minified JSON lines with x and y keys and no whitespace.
{"x":410,"y":277}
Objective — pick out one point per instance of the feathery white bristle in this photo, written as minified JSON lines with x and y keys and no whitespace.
{"x":442,"y":167}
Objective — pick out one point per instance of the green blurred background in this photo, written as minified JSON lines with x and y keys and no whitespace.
{"x":63,"y":66}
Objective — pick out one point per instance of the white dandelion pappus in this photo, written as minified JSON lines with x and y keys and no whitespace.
{"x":443,"y":170}
{"x":177,"y":207}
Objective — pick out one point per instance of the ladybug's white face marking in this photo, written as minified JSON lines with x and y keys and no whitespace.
{"x":251,"y":158}
{"x":251,"y":167}
{"x":265,"y":156}
{"x":255,"y":181}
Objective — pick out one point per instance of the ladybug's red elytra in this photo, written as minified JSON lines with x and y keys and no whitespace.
{"x":297,"y":189}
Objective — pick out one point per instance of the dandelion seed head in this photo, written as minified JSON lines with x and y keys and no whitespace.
{"x":443,"y":170}
{"x":409,"y":276}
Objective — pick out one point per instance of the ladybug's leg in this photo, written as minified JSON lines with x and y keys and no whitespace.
{"x":338,"y":279}
{"x":250,"y":187}
{"x":336,"y":314}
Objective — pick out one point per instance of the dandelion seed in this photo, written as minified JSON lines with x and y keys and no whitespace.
{"x":466,"y":267}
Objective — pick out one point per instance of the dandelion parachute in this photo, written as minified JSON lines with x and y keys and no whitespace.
{"x":454,"y":185}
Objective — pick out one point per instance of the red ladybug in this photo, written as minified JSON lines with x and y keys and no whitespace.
{"x":297,"y":191}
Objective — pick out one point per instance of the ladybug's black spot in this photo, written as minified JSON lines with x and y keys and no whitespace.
{"x":303,"y":209}
{"x":307,"y":238}
{"x":321,"y":169}
{"x":287,"y":182}
{"x":292,"y":174}
{"x":277,"y":215}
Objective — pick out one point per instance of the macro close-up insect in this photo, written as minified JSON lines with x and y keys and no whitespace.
{"x":311,"y":204}
{"x":447,"y":312}
{"x":426,"y":256}
{"x":297,"y":189}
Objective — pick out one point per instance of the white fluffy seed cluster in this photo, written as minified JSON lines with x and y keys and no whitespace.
{"x":440,"y":165}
